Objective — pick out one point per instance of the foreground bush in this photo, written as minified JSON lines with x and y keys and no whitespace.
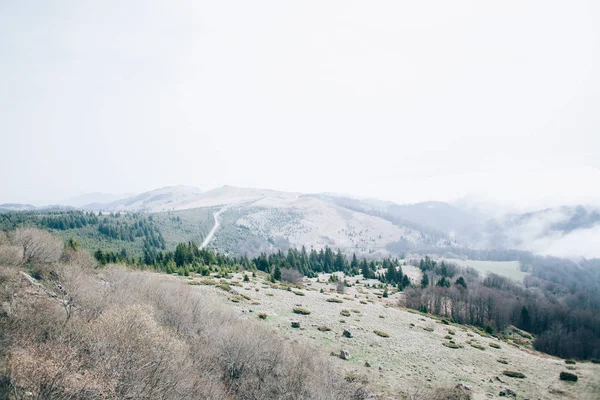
{"x":115,"y":334}
{"x":567,"y":376}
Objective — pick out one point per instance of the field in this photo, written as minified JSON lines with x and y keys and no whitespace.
{"x":509,"y":269}
{"x":395,"y":350}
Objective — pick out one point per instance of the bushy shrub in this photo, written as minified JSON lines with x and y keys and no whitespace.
{"x":567,"y":376}
{"x":301,"y":311}
{"x":381,"y":333}
{"x":514,"y":374}
{"x":136,"y":335}
{"x":334,"y":300}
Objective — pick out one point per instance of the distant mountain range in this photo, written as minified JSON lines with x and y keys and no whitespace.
{"x":269,"y":218}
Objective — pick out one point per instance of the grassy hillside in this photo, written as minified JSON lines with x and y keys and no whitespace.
{"x":117,"y":232}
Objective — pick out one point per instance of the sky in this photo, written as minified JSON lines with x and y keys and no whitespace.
{"x":480,"y":102}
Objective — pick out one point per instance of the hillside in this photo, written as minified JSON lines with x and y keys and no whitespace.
{"x":413,"y":358}
{"x":254,"y":220}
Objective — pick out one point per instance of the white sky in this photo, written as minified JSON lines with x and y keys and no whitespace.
{"x":401,"y":100}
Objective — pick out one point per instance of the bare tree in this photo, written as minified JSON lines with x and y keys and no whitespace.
{"x":38,"y":247}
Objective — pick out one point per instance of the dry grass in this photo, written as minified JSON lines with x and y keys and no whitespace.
{"x":381,"y":333}
{"x":113,"y":333}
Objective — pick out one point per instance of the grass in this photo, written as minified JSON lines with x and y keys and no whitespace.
{"x":334,"y":300}
{"x":452,"y":345}
{"x":381,"y":333}
{"x":509,"y":269}
{"x":363,"y":302}
{"x":494,"y":345}
{"x":301,"y":311}
{"x":477,"y":346}
{"x":514,"y":374}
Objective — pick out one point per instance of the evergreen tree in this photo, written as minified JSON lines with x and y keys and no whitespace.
{"x":425,"y":280}
{"x":277,"y":273}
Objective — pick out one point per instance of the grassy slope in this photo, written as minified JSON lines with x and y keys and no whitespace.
{"x":411,"y":356}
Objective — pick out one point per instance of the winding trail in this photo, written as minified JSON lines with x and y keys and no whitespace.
{"x":210,"y":235}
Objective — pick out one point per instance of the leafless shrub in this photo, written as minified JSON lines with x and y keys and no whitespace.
{"x":291,"y":275}
{"x":340,"y":287}
{"x":114,"y":333}
{"x":40,"y":250}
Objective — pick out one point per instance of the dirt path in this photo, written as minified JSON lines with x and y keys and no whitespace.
{"x":210,"y":235}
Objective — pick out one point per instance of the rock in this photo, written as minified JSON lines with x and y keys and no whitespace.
{"x":347,"y":333}
{"x":507,"y":392}
{"x":344,"y":355}
{"x":295,"y":324}
{"x":367,"y":364}
{"x":463,"y":386}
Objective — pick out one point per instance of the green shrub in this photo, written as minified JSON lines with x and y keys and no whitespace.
{"x":381,"y":333}
{"x":567,"y":376}
{"x":428,"y":328}
{"x":345,"y":313}
{"x":298,"y":293}
{"x":452,"y":345}
{"x":501,"y":361}
{"x":451,"y":332}
{"x":514,"y":374}
{"x":301,"y":311}
{"x":224,"y":286}
{"x":494,"y":345}
{"x":363,"y":302}
{"x":448,"y":337}
{"x":334,"y":300}
{"x":477,"y":346}
{"x":246,"y":278}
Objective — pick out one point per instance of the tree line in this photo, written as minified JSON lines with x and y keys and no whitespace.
{"x":565,"y":317}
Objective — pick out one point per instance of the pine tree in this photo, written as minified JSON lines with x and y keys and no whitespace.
{"x":405,"y":281}
{"x":425,"y":280}
{"x":277,"y":273}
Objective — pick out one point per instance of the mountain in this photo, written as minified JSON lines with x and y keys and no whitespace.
{"x":93,"y":198}
{"x":163,"y":199}
{"x":7,"y":207}
{"x":253,"y":220}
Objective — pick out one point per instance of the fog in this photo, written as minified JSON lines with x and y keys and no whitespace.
{"x":493,"y":105}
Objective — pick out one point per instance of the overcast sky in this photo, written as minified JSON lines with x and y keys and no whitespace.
{"x":401,"y":100}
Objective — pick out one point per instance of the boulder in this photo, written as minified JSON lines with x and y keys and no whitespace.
{"x":344,"y":355}
{"x":347,"y":333}
{"x":295,"y":324}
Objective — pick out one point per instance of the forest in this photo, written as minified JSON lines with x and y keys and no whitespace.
{"x":559,"y":302}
